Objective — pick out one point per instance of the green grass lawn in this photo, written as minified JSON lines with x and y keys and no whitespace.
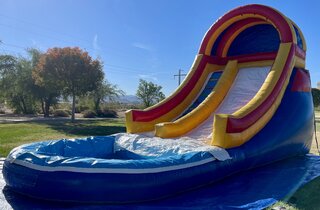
{"x":306,"y":197}
{"x":15,"y":134}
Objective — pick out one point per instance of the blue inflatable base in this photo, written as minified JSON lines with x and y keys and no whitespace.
{"x":254,"y":189}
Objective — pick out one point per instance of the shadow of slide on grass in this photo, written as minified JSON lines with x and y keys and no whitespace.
{"x":87,"y":128}
{"x":307,"y":196}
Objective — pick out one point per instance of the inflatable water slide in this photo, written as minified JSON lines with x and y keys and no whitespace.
{"x":236,"y":83}
{"x":246,"y":102}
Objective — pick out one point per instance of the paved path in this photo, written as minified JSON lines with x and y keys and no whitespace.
{"x":42,"y":119}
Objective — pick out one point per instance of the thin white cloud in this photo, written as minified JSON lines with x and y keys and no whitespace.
{"x":95,"y":42}
{"x":34,"y":43}
{"x":37,"y":45}
{"x":142,"y":46}
{"x":148,"y":77}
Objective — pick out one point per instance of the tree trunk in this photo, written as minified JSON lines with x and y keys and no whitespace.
{"x":46,"y":103}
{"x":24,"y":106}
{"x":42,"y":107}
{"x":73,"y":107}
{"x":97,"y":104}
{"x":46,"y":112}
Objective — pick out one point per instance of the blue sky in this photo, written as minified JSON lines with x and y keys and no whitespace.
{"x":145,"y":39}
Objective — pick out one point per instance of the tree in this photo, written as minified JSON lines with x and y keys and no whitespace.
{"x":149,"y":93}
{"x":105,"y":90}
{"x":7,"y":66}
{"x":16,"y":83}
{"x":47,"y":95}
{"x":69,"y":70}
{"x":7,"y":63}
{"x":316,"y":97}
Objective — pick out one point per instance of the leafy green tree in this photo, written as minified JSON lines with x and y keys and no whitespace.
{"x":7,"y":67}
{"x":7,"y":63}
{"x":105,"y":90}
{"x":149,"y":93}
{"x":316,"y":96}
{"x":70,"y":70}
{"x":16,"y":83}
{"x":47,"y":95}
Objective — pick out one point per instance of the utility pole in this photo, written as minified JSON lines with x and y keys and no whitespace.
{"x":179,"y":75}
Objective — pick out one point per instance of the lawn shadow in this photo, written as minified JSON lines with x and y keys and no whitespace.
{"x":305,"y":197}
{"x":87,"y":127}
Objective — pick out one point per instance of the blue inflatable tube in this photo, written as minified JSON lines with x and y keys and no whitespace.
{"x":80,"y":170}
{"x":88,"y":170}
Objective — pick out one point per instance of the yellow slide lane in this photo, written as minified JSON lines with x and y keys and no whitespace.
{"x":139,"y":127}
{"x":229,"y":140}
{"x":204,"y":110}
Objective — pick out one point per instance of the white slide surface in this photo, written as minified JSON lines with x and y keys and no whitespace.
{"x":246,"y":85}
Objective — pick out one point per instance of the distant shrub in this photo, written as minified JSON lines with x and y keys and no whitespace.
{"x":51,"y":110}
{"x":107,"y":113}
{"x":89,"y":114}
{"x":81,"y":108}
{"x":63,"y":105}
{"x":61,"y":113}
{"x":31,"y":111}
{"x":133,"y":106}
